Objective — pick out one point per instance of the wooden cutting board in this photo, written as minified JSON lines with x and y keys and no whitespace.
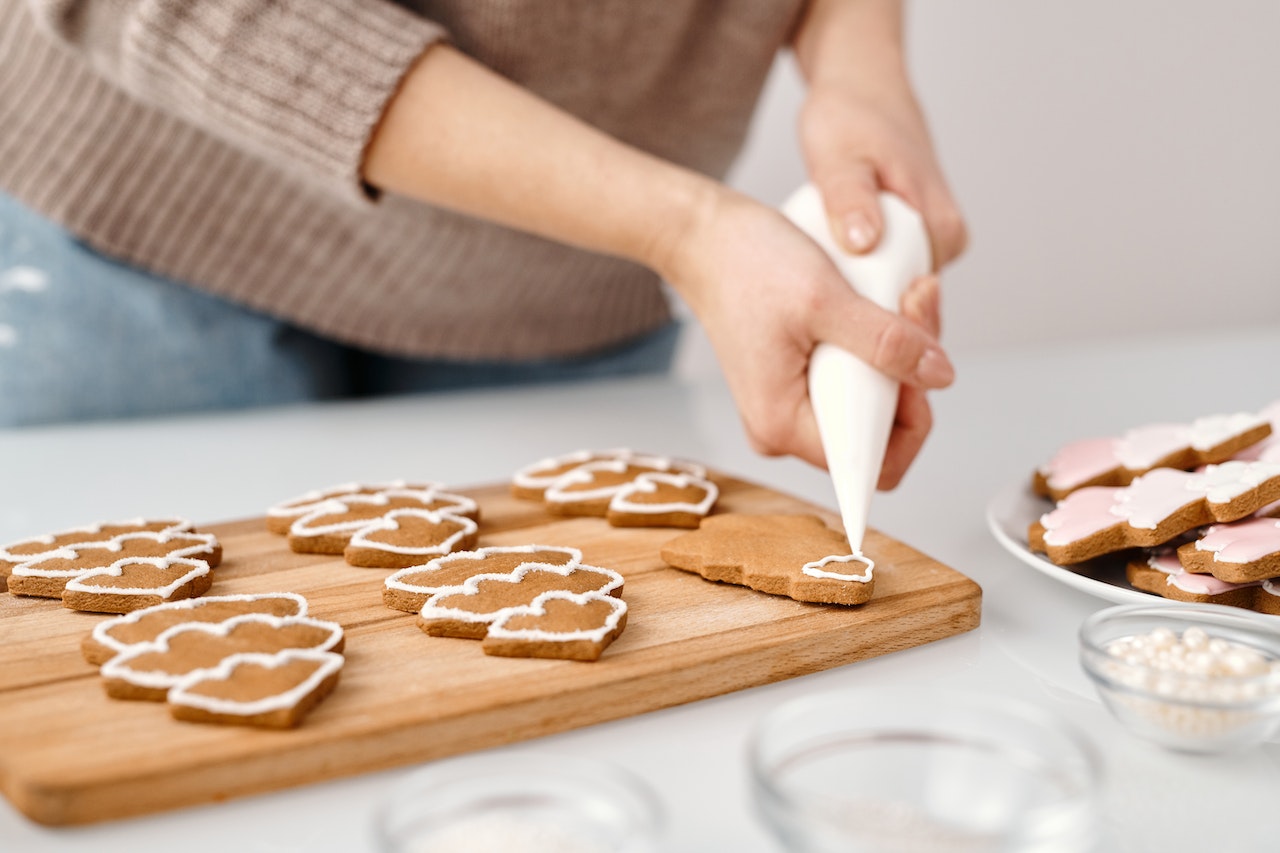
{"x":70,"y":755}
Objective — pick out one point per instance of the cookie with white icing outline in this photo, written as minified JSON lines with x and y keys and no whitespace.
{"x":36,"y":547}
{"x":558,"y":624}
{"x":253,"y":689}
{"x":796,"y":556}
{"x":588,"y":489}
{"x":1119,"y":461}
{"x":409,"y":588}
{"x":1239,"y":552}
{"x":149,"y":670}
{"x":407,"y":537}
{"x":1152,"y":510}
{"x":661,"y":499}
{"x":47,"y":574}
{"x":571,"y":630}
{"x":282,"y":516}
{"x":137,"y":582}
{"x":531,"y":481}
{"x":110,"y":637}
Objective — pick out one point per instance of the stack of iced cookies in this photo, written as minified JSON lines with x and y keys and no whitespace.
{"x":1202,"y":535}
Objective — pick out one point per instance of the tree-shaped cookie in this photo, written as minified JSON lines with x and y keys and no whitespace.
{"x":797,"y":556}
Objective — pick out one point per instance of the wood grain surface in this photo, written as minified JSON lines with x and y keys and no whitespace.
{"x":71,"y":755}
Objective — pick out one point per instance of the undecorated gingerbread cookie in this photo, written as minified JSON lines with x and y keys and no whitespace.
{"x":110,"y":637}
{"x":797,"y":556}
{"x":26,"y":550}
{"x":1152,"y":510}
{"x":1118,"y":461}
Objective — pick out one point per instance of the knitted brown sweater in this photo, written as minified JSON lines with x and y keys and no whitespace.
{"x":219,"y":143}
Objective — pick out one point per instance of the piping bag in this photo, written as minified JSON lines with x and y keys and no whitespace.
{"x":853,"y":402}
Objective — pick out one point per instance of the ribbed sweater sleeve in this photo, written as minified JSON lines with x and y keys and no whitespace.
{"x":301,"y":83}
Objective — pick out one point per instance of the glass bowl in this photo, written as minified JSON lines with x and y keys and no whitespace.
{"x":1196,"y":704}
{"x":923,"y":770}
{"x":521,"y":803}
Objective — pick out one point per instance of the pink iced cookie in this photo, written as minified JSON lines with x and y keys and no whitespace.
{"x":1162,"y":574}
{"x":1152,"y":510}
{"x":1118,"y":461}
{"x":1240,"y":552}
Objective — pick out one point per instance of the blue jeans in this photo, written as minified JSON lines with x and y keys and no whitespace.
{"x":85,"y":337}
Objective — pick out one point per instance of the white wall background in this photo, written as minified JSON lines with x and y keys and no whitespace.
{"x":1118,"y":162}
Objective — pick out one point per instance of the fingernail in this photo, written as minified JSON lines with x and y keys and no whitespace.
{"x":858,"y":231}
{"x":934,"y":369}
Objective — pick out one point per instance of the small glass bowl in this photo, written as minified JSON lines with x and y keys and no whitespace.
{"x":913,"y":770}
{"x":1180,"y":710}
{"x":523,"y":803}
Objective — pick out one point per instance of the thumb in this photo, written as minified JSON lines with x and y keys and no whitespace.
{"x":850,"y":195}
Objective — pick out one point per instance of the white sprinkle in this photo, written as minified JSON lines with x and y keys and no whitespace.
{"x":24,"y":278}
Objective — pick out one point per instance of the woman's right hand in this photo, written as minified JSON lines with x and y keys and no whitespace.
{"x":767,"y":295}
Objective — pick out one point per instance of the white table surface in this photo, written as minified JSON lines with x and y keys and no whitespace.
{"x":1006,"y":413}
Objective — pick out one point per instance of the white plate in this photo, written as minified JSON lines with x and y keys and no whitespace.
{"x":1012,"y":511}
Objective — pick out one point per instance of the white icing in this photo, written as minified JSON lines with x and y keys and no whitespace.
{"x":310,"y":501}
{"x":432,"y":609}
{"x":181,"y":692}
{"x":390,"y":521}
{"x":173,"y":525}
{"x":205,"y":544}
{"x":535,"y":476}
{"x":1155,"y":496}
{"x":396,"y":580}
{"x":1212,"y":430}
{"x":1272,"y":586}
{"x":118,"y":667}
{"x":648,"y":482}
{"x":816,"y":570}
{"x":196,"y":569}
{"x":1222,"y":483}
{"x":537,"y":607}
{"x":102,"y":631}
{"x":558,"y":491}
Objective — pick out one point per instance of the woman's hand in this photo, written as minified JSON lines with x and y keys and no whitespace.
{"x":767,"y":295}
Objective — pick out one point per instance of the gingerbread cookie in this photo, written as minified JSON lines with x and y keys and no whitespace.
{"x":149,"y":670}
{"x":1240,"y":552}
{"x":1152,"y":510}
{"x":50,"y":574}
{"x":137,"y":582}
{"x":790,"y":555}
{"x":1162,"y":574}
{"x":26,"y":550}
{"x":282,"y":516}
{"x":409,"y":589}
{"x":658,"y":499}
{"x":532,"y":481}
{"x":1118,"y":461}
{"x":574,"y":623}
{"x":558,"y":624}
{"x":588,"y":489}
{"x":387,"y":528}
{"x":1267,"y":450}
{"x":253,"y":689}
{"x":110,"y":637}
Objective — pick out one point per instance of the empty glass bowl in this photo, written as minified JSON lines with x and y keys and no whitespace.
{"x":523,"y":803}
{"x":1192,"y":677}
{"x":924,"y":770}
